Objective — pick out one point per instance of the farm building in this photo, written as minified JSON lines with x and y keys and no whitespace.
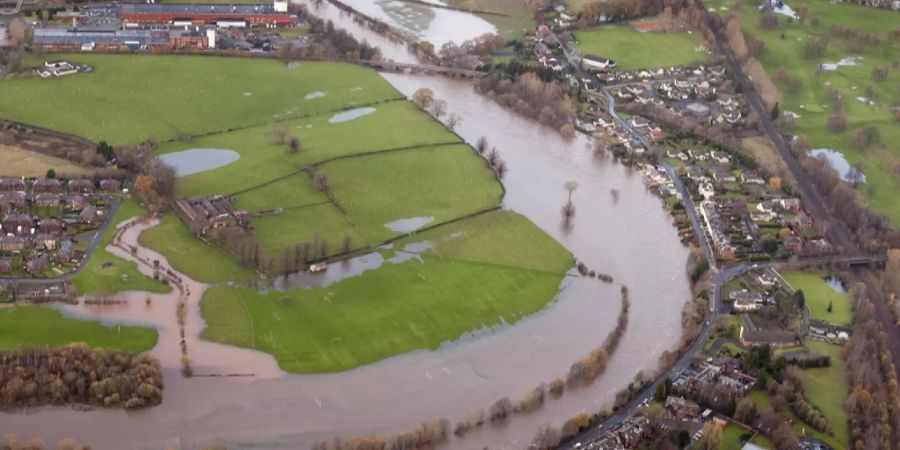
{"x":212,"y":14}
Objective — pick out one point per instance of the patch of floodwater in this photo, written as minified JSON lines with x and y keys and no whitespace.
{"x":356,"y":89}
{"x":352,"y":267}
{"x":791,"y":115}
{"x":836,"y":284}
{"x":247,"y":94}
{"x":409,"y":225}
{"x":198,"y":160}
{"x":312,"y":95}
{"x":783,"y":9}
{"x":293,"y":65}
{"x":351,"y":114}
{"x":435,"y":25}
{"x":867,"y":101}
{"x":848,"y":61}
{"x":837,"y":162}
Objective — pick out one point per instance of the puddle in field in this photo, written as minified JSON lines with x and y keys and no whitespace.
{"x":198,"y":160}
{"x":312,"y":95}
{"x":848,"y":61}
{"x":837,"y":162}
{"x":352,"y":267}
{"x":351,"y":114}
{"x":409,"y":225}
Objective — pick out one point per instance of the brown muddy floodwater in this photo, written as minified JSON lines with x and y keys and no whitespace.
{"x":631,"y":239}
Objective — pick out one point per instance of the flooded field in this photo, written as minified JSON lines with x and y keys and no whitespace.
{"x":629,"y":237}
{"x":349,"y":115}
{"x":189,"y":162}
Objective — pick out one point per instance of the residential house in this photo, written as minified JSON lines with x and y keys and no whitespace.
{"x":12,"y":184}
{"x":90,"y":215}
{"x":750,"y":177}
{"x":17,"y":224}
{"x":110,"y":185}
{"x":681,"y":409}
{"x":767,"y":278}
{"x":66,"y":253}
{"x":748,"y":301}
{"x":51,"y":226}
{"x":46,"y":241}
{"x":721,"y":157}
{"x":12,"y":201}
{"x":5,"y":268}
{"x":723,"y":175}
{"x":81,"y":187}
{"x":774,"y":338}
{"x":12,"y":244}
{"x":707,"y":190}
{"x":76,"y":202}
{"x":788,"y":204}
{"x":51,"y":185}
{"x":804,"y":222}
{"x":46,"y":200}
{"x":37,"y":265}
{"x":793,"y":243}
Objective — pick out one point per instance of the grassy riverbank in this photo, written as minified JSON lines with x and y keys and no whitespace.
{"x":40,"y":325}
{"x":471,"y":278}
{"x":105,"y":272}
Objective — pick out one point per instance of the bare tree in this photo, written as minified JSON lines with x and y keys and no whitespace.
{"x":279,"y":133}
{"x":438,"y":108}
{"x":455,"y":119}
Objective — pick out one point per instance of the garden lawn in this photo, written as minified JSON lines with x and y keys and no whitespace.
{"x":396,"y":124}
{"x":197,"y":259}
{"x":416,"y":304}
{"x":130,"y":97}
{"x":632,"y":49}
{"x":41,"y":325}
{"x":826,"y":388}
{"x":818,"y":295}
{"x":811,"y":98}
{"x":96,"y":279}
{"x":442,"y":182}
{"x":734,"y":437}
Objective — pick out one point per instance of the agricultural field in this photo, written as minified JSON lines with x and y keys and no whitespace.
{"x":632,"y":49}
{"x":806,"y":86}
{"x":465,"y":281}
{"x":105,"y":273}
{"x":41,"y":325}
{"x":819,"y":295}
{"x":23,"y":163}
{"x":127,"y":99}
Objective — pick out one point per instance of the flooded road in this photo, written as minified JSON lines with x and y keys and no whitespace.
{"x":631,"y":239}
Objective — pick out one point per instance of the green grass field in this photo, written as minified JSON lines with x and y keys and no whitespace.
{"x":105,"y":272}
{"x":811,"y":100}
{"x":818,"y":295}
{"x":395,"y":124}
{"x":442,"y":182}
{"x":826,"y":388}
{"x":201,"y":261}
{"x":40,"y":325}
{"x":732,"y":437}
{"x":632,"y":49}
{"x":128,"y":98}
{"x":399,"y":307}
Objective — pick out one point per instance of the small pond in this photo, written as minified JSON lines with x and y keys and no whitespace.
{"x":409,"y":225}
{"x":837,"y":161}
{"x":198,"y":160}
{"x":351,"y":114}
{"x":836,"y":284}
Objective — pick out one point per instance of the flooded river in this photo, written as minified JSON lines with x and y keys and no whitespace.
{"x":631,"y":239}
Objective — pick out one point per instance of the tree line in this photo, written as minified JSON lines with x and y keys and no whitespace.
{"x":77,"y":374}
{"x":527,"y":94}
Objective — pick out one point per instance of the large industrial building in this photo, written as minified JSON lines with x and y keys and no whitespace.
{"x":222,"y":15}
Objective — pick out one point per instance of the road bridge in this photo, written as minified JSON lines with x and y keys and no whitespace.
{"x":427,"y":69}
